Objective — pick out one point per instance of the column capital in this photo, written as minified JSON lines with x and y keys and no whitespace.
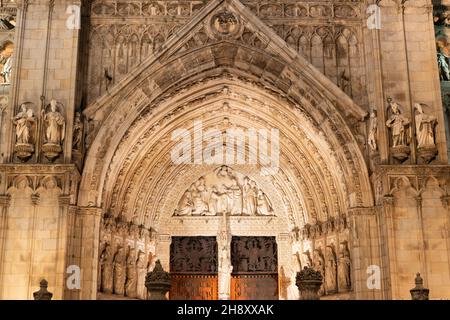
{"x":64,"y":200}
{"x":5,"y":200}
{"x":445,"y":201}
{"x":388,"y":200}
{"x":90,"y":211}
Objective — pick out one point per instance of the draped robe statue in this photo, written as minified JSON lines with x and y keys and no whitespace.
{"x":131,"y":283}
{"x":141,"y":266}
{"x":424,"y":128}
{"x":23,"y":121}
{"x":373,"y":131}
{"x":119,"y":272}
{"x":55,"y":125}
{"x":398,"y":125}
{"x":344,"y":279}
{"x":330,"y":270}
{"x":106,"y":268}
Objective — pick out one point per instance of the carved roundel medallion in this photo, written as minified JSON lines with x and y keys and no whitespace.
{"x":225,"y":24}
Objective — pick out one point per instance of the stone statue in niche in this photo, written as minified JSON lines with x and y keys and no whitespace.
{"x":106,"y":270}
{"x":54,"y":130}
{"x":400,"y":131}
{"x":78,"y":128}
{"x":225,"y":269}
{"x":24,"y":122}
{"x":373,"y":128}
{"x":119,"y":272}
{"x":54,"y":124}
{"x":224,"y":192}
{"x":319,"y":265}
{"x":344,"y":265}
{"x":398,"y":125}
{"x":131,"y":273}
{"x":141,"y":266}
{"x":330,"y":270}
{"x":425,"y":125}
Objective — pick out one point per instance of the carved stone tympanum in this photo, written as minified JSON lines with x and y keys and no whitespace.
{"x":224,"y":191}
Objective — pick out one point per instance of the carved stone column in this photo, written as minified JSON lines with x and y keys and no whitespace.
{"x":158,"y":283}
{"x":90,"y":222}
{"x":308,"y":283}
{"x":419,"y":292}
{"x":4,"y":204}
{"x":387,"y":235}
{"x":163,"y":250}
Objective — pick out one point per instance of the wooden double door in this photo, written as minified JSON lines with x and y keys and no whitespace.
{"x":193,"y":267}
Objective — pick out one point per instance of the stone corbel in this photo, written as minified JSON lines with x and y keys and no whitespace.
{"x":90,"y":211}
{"x":5,"y":200}
{"x":388,"y":200}
{"x":35,"y":199}
{"x":64,"y":200}
{"x":446,"y":201}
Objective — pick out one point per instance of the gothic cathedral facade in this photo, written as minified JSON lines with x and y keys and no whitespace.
{"x":117,"y":122}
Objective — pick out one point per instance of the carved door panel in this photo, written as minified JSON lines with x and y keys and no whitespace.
{"x":193,"y":268}
{"x":254,"y":287}
{"x":255,"y":268}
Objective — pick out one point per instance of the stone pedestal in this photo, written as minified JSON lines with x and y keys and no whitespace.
{"x":43,"y":293}
{"x":308,"y":283}
{"x":158,"y":283}
{"x":419,"y":292}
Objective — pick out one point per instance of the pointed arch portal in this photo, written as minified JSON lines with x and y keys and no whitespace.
{"x":208,"y":72}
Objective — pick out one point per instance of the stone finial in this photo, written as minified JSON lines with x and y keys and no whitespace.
{"x":419,"y":292}
{"x":158,"y":282}
{"x":308,"y":282}
{"x":43,"y":293}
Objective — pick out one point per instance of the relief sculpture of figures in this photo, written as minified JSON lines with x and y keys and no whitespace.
{"x":131,"y":273}
{"x":344,"y":279}
{"x":119,"y":272}
{"x":224,"y":191}
{"x":6,"y":52}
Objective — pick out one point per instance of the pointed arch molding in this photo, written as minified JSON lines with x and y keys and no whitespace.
{"x":128,"y":168}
